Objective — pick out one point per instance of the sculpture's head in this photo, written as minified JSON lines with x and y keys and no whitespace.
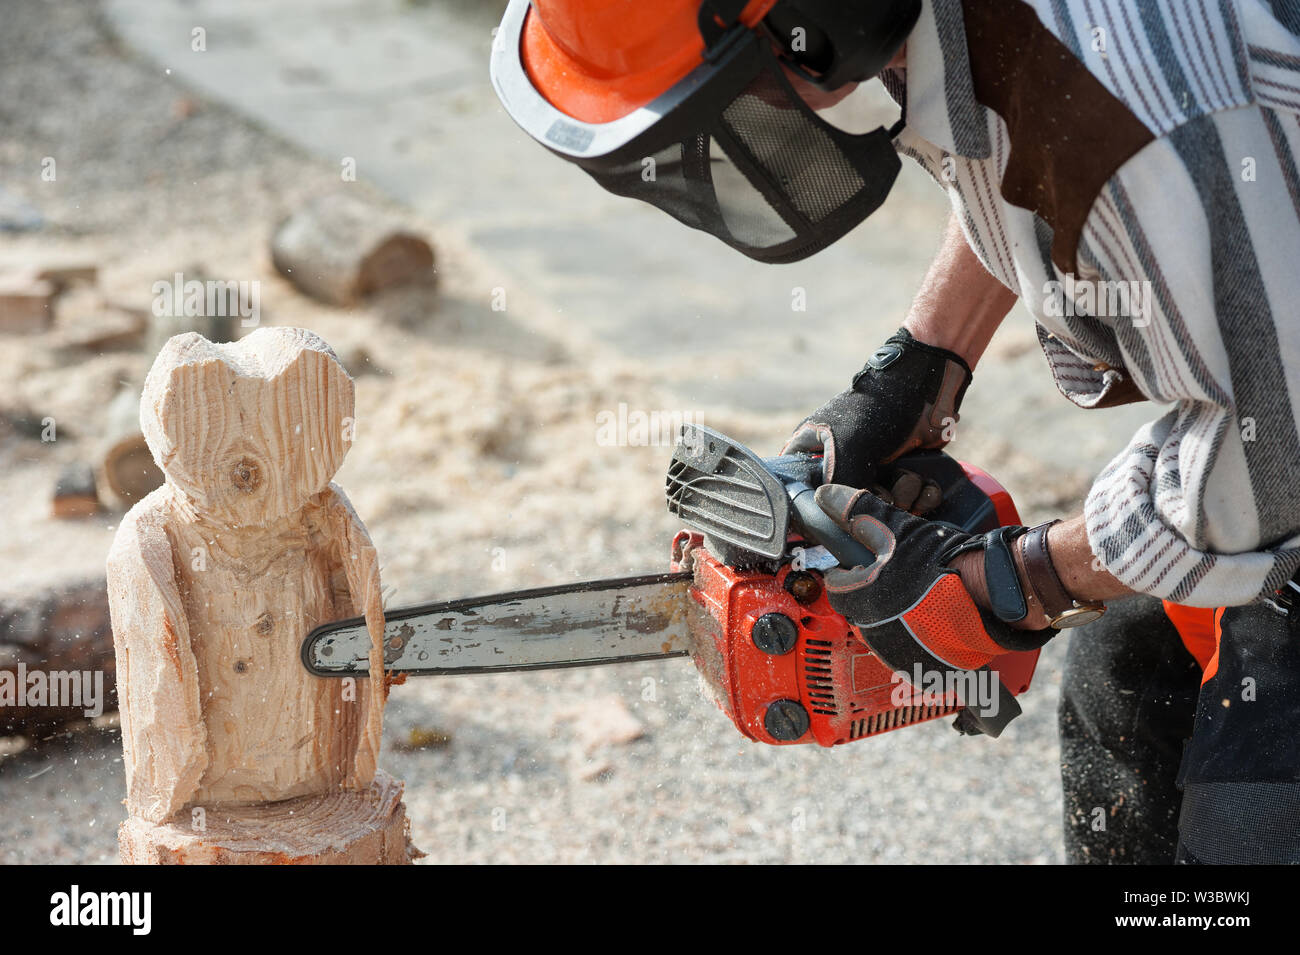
{"x":248,"y":431}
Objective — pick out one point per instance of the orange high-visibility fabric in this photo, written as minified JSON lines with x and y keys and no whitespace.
{"x":947,"y":623}
{"x":1200,"y":629}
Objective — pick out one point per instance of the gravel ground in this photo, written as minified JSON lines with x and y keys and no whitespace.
{"x":476,"y":471}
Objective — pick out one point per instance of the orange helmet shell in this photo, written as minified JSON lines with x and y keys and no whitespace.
{"x":598,"y":60}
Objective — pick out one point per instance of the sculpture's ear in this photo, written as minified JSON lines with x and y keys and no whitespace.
{"x":248,"y":431}
{"x":316,"y":393}
{"x":185,"y":416}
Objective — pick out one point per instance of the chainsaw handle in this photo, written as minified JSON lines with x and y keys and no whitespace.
{"x":802,"y":474}
{"x":820,"y":528}
{"x":967,"y":503}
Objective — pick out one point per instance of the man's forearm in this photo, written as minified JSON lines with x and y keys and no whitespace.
{"x":960,"y":304}
{"x":1081,"y":574}
{"x":959,"y":307}
{"x":1082,"y":577}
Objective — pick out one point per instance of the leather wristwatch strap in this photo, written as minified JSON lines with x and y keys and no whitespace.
{"x":1040,"y":574}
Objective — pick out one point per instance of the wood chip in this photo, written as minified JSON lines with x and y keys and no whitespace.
{"x":602,"y":721}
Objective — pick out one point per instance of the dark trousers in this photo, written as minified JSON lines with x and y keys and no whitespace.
{"x":1156,"y":768}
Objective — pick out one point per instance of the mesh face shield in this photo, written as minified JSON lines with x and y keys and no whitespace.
{"x":731,"y":150}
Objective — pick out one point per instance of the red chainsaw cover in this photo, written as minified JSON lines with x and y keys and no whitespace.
{"x":847,"y":692}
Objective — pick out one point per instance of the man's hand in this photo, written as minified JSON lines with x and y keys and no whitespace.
{"x":913,"y":402}
{"x":906,"y":398}
{"x":911,"y":606}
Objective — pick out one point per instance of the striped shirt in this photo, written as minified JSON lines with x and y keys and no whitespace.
{"x":1132,"y":171}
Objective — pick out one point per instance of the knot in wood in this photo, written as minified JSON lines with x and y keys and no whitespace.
{"x":246,"y":475}
{"x":265,"y":623}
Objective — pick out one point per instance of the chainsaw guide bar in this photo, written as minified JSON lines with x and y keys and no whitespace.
{"x":618,"y":620}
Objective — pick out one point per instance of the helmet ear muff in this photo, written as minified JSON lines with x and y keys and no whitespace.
{"x":835,"y":42}
{"x":802,"y":39}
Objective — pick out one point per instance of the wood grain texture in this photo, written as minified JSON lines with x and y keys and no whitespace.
{"x":216,"y":577}
{"x":367,"y":827}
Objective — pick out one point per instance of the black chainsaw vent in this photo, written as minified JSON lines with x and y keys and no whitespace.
{"x":726,"y":493}
{"x":818,"y":677}
{"x":899,"y":716}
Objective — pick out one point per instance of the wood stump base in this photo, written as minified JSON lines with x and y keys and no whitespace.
{"x":368,"y":827}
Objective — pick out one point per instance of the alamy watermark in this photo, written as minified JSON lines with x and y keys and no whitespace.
{"x":1099,"y":299}
{"x":976,"y":689}
{"x":634,"y":428}
{"x":132,"y":910}
{"x":53,"y":688}
{"x":212,"y":298}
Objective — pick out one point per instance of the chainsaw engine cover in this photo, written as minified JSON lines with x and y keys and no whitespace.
{"x":788,"y":669}
{"x":783,"y":663}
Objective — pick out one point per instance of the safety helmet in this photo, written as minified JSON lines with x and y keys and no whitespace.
{"x":685,"y":104}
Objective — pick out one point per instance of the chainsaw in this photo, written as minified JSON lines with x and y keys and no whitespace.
{"x":744,"y":599}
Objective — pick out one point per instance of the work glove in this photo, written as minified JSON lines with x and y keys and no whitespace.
{"x":905,"y":398}
{"x":913,"y":609}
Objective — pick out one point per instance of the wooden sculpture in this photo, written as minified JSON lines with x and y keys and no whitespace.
{"x":233,"y":752}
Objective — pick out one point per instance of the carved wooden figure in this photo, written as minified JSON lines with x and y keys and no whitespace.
{"x":233,"y":752}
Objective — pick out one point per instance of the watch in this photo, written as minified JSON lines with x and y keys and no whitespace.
{"x":1062,"y":610}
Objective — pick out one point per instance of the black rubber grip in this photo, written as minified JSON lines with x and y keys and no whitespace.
{"x":818,"y":527}
{"x":801,"y":474}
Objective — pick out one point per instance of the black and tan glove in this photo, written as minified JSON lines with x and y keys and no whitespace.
{"x":915,"y":611}
{"x":905,"y":398}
